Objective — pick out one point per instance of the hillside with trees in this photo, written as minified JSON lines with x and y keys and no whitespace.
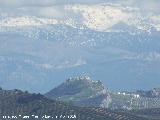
{"x":18,"y":104}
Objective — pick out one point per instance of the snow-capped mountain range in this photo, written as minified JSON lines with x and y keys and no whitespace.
{"x":100,"y":17}
{"x":117,"y":44}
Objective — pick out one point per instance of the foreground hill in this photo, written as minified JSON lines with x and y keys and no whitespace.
{"x":16,"y":103}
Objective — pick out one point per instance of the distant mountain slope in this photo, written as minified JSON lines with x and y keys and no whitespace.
{"x":129,"y":55}
{"x":154,"y":93}
{"x":15,"y":103}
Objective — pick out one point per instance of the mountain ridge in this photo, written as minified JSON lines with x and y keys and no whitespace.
{"x":81,"y":91}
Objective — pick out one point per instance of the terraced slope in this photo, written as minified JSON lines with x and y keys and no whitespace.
{"x":153,"y":113}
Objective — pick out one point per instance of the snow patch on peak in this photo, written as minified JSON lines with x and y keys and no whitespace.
{"x":99,"y":17}
{"x":26,"y":21}
{"x":155,"y":20}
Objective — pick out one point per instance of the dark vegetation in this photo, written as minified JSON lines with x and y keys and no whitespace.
{"x":16,"y":102}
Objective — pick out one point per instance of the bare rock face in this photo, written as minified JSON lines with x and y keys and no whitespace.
{"x":82,"y":91}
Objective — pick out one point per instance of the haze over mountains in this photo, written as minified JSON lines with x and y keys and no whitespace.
{"x":43,"y":44}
